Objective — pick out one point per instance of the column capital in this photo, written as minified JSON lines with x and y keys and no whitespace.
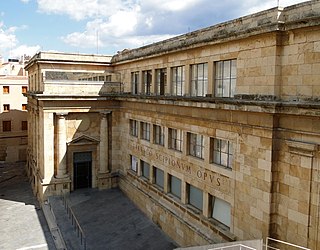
{"x":105,"y":113}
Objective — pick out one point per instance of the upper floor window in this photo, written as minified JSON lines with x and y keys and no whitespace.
{"x":134,"y":128}
{"x":199,"y":79}
{"x":134,"y":82}
{"x":221,"y":152}
{"x":134,"y":163}
{"x":24,"y":107}
{"x":24,"y":125}
{"x":145,"y":131}
{"x":6,"y":107}
{"x":225,"y":78}
{"x":221,"y":211}
{"x":101,"y":78}
{"x":175,"y":186}
{"x":6,"y":126}
{"x":178,"y":80}
{"x":145,"y":169}
{"x":161,"y":80}
{"x":158,"y":177}
{"x":24,"y":89}
{"x":147,"y":80}
{"x":195,"y":197}
{"x":6,"y":89}
{"x":175,"y":139}
{"x":196,"y":145}
{"x":158,"y":135}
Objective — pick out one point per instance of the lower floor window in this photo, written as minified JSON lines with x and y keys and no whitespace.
{"x":221,"y":211}
{"x":145,"y":168}
{"x":195,"y":197}
{"x":175,"y":186}
{"x":159,"y":177}
{"x":134,"y":163}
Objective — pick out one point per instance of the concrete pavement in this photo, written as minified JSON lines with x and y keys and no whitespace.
{"x":22,"y":223}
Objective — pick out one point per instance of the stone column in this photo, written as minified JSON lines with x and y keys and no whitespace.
{"x":62,"y":145}
{"x":103,"y":147}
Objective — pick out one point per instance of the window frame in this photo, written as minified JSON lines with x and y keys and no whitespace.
{"x":213,"y":208}
{"x":134,"y":82}
{"x":222,"y":78}
{"x":24,"y":107}
{"x":193,"y":145}
{"x":147,"y":81}
{"x":134,"y":127}
{"x":218,"y":155}
{"x":199,"y":79}
{"x":145,"y":131}
{"x":161,"y":81}
{"x":6,"y":89}
{"x":24,"y":89}
{"x":158,"y":135}
{"x":134,"y":159}
{"x":145,"y":169}
{"x":156,"y":177}
{"x":192,"y":190}
{"x":6,"y":107}
{"x":175,"y":142}
{"x":171,"y":191}
{"x":178,"y":80}
{"x":24,"y":125}
{"x":6,"y":126}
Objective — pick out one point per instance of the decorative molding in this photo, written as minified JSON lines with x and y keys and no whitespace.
{"x":302,"y":148}
{"x":83,"y":140}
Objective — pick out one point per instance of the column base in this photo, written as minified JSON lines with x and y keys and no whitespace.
{"x":106,"y":180}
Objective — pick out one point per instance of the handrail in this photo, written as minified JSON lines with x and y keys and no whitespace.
{"x":75,"y":222}
{"x":236,"y":245}
{"x":284,"y":242}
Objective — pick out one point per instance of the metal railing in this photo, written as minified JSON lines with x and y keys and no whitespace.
{"x":234,"y":247}
{"x":268,"y":240}
{"x":75,"y":222}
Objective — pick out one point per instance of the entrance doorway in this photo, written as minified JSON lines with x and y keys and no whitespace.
{"x":82,"y":167}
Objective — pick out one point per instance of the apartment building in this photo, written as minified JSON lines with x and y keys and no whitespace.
{"x":13,"y":111}
{"x":213,"y":134}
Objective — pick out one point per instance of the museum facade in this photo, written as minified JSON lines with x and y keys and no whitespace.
{"x":213,"y":134}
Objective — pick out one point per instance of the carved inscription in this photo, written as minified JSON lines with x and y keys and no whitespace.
{"x":216,"y":180}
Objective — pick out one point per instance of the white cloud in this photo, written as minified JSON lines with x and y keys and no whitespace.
{"x":130,"y":23}
{"x":24,"y":50}
{"x":7,"y":37}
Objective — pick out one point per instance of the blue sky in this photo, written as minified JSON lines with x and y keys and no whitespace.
{"x":107,"y":26}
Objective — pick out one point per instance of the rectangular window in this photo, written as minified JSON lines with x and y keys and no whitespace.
{"x":159,"y":177}
{"x":147,"y":80}
{"x":24,"y":89}
{"x":199,"y":79}
{"x":101,"y":78}
{"x":175,"y":139}
{"x":24,"y":125}
{"x":134,"y":82}
{"x":6,"y":107}
{"x":145,"y":169}
{"x":178,"y":78}
{"x":175,"y":186}
{"x":196,"y":145}
{"x":221,"y":152}
{"x":24,"y":107}
{"x":6,"y":126}
{"x":225,"y":78}
{"x":221,"y":211}
{"x":161,"y":80}
{"x":158,"y":135}
{"x":195,"y":197}
{"x":134,"y":128}
{"x":6,"y":89}
{"x":134,"y":163}
{"x":145,"y":131}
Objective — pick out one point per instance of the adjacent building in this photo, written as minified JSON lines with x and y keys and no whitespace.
{"x":213,"y":134}
{"x":13,"y":111}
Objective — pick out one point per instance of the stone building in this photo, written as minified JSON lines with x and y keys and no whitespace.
{"x":213,"y":134}
{"x":13,"y":111}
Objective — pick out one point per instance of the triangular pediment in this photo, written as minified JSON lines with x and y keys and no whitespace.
{"x":83,"y":139}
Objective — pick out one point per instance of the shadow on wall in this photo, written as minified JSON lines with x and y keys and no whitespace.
{"x":13,"y":136}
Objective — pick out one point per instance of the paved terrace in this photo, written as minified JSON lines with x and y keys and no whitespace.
{"x":22,"y":223}
{"x":110,"y":221}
